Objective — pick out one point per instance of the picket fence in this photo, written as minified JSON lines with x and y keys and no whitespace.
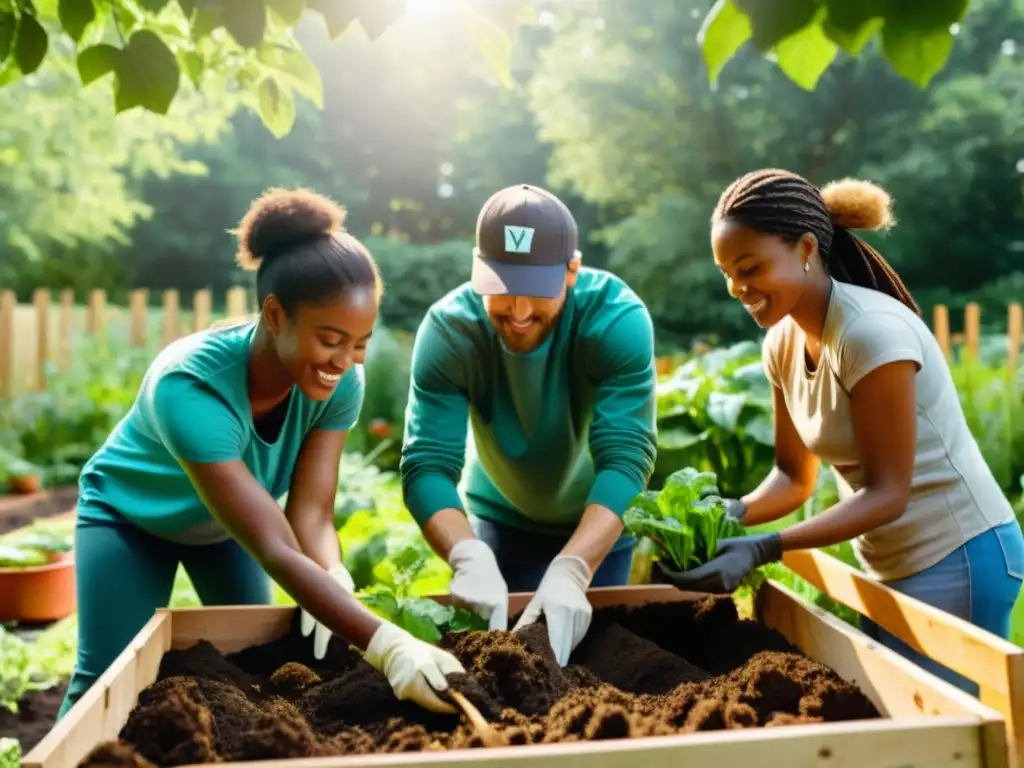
{"x":36,"y":340}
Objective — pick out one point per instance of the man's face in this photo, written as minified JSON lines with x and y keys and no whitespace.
{"x":525,"y":322}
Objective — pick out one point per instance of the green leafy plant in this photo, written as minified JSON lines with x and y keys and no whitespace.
{"x":10,"y":752}
{"x":20,"y":672}
{"x":31,"y":546}
{"x":420,"y":616}
{"x":685,"y":520}
{"x":715,"y":414}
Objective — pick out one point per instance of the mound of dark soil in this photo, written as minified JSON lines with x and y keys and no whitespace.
{"x":655,"y":670}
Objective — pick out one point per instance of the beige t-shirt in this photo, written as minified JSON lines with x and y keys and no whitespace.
{"x":953,"y":495}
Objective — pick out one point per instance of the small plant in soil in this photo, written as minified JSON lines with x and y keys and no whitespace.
{"x":655,"y":670}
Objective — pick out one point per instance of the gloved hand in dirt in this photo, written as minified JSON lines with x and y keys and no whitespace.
{"x":477,"y":583}
{"x":562,"y":598}
{"x":415,"y":669}
{"x":736,"y":558}
{"x":322,"y":635}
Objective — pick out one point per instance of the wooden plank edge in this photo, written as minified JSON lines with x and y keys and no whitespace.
{"x":975,"y":653}
{"x":933,"y":742}
{"x":845,"y":648}
{"x":71,"y":738}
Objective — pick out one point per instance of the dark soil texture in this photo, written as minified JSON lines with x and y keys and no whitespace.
{"x":17,"y":511}
{"x":656,"y":670}
{"x":37,"y":712}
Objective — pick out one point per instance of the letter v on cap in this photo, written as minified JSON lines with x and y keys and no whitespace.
{"x":518,"y":239}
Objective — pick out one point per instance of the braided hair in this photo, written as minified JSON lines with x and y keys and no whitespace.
{"x":781,"y":203}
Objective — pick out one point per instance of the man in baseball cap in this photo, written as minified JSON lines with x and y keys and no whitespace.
{"x":552,"y":365}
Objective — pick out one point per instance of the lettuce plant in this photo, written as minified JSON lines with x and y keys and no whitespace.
{"x":684,"y":520}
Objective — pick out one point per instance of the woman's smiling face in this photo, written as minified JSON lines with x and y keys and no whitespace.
{"x":765,"y":272}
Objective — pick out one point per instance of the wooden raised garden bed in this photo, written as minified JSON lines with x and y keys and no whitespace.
{"x":849,"y":702}
{"x":995,"y":664}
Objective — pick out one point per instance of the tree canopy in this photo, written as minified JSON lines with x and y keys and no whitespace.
{"x":150,"y":47}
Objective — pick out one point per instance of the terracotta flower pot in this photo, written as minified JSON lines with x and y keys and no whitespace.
{"x":41,"y":594}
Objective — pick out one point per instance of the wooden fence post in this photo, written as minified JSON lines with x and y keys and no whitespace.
{"x":96,"y":321}
{"x":972,"y":329}
{"x":65,"y":328}
{"x":138,"y":303}
{"x":202,"y":307}
{"x":940,"y":319}
{"x":41,"y":300}
{"x":170,"y":316}
{"x":236,"y":302}
{"x":1014,"y":329}
{"x":6,"y":343}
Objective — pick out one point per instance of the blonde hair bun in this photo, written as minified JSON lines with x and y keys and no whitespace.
{"x":858,"y":204}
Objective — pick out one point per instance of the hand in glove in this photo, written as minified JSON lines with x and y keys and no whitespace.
{"x":562,"y":598}
{"x":477,"y":583}
{"x":308,"y":624}
{"x":736,"y":558}
{"x":415,"y":669}
{"x":735,"y":509}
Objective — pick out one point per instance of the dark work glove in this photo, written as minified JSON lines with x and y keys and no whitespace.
{"x":735,"y":509}
{"x":736,"y":558}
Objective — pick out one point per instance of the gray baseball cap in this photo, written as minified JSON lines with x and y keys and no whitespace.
{"x":525,"y":239}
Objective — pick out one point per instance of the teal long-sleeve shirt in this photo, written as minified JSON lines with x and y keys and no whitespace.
{"x":570,"y":424}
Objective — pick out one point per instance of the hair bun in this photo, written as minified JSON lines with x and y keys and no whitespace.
{"x":282,"y":217}
{"x":858,"y":204}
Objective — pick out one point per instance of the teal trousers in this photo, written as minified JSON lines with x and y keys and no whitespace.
{"x":123,"y":574}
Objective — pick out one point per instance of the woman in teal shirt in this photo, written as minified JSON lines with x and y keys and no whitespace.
{"x":225,"y":422}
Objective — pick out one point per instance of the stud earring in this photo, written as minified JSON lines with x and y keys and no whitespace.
{"x":807,"y":266}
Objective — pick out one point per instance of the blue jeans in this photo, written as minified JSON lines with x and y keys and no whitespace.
{"x":523,"y":556}
{"x":978,"y":582}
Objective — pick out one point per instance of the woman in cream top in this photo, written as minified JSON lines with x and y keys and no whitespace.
{"x":861,"y":384}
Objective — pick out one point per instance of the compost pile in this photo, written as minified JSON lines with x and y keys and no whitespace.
{"x":659,"y":669}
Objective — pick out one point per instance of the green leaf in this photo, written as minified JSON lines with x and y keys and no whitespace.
{"x":75,"y":16}
{"x":290,"y":11}
{"x":276,"y":106}
{"x":96,"y":61}
{"x":30,"y":45}
{"x":246,"y":20}
{"x":424,"y":618}
{"x":192,"y":63}
{"x":724,"y":31}
{"x":378,"y":15}
{"x":851,"y":25}
{"x":775,"y":20}
{"x":805,"y":56}
{"x":381,"y":601}
{"x":205,"y":20}
{"x":188,"y":7}
{"x":917,"y":55}
{"x":464,"y":620}
{"x":724,"y":409}
{"x":146,"y":74}
{"x":8,"y":27}
{"x":154,"y":6}
{"x":295,"y":69}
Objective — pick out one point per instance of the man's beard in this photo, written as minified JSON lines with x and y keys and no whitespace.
{"x":522,"y":344}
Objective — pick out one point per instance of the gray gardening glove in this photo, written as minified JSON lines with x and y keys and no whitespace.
{"x":735,"y":509}
{"x":736,"y":558}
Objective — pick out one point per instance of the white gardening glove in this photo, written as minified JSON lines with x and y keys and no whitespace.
{"x":415,"y":669}
{"x":477,"y":583}
{"x":562,"y":598}
{"x":308,"y":624}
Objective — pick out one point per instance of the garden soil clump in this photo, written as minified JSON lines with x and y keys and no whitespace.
{"x":654,"y":670}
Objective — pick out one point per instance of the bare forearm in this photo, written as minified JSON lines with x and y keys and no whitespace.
{"x":776,"y":496}
{"x":866,"y":510}
{"x":445,"y":529}
{"x":318,"y":538}
{"x":596,"y":534}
